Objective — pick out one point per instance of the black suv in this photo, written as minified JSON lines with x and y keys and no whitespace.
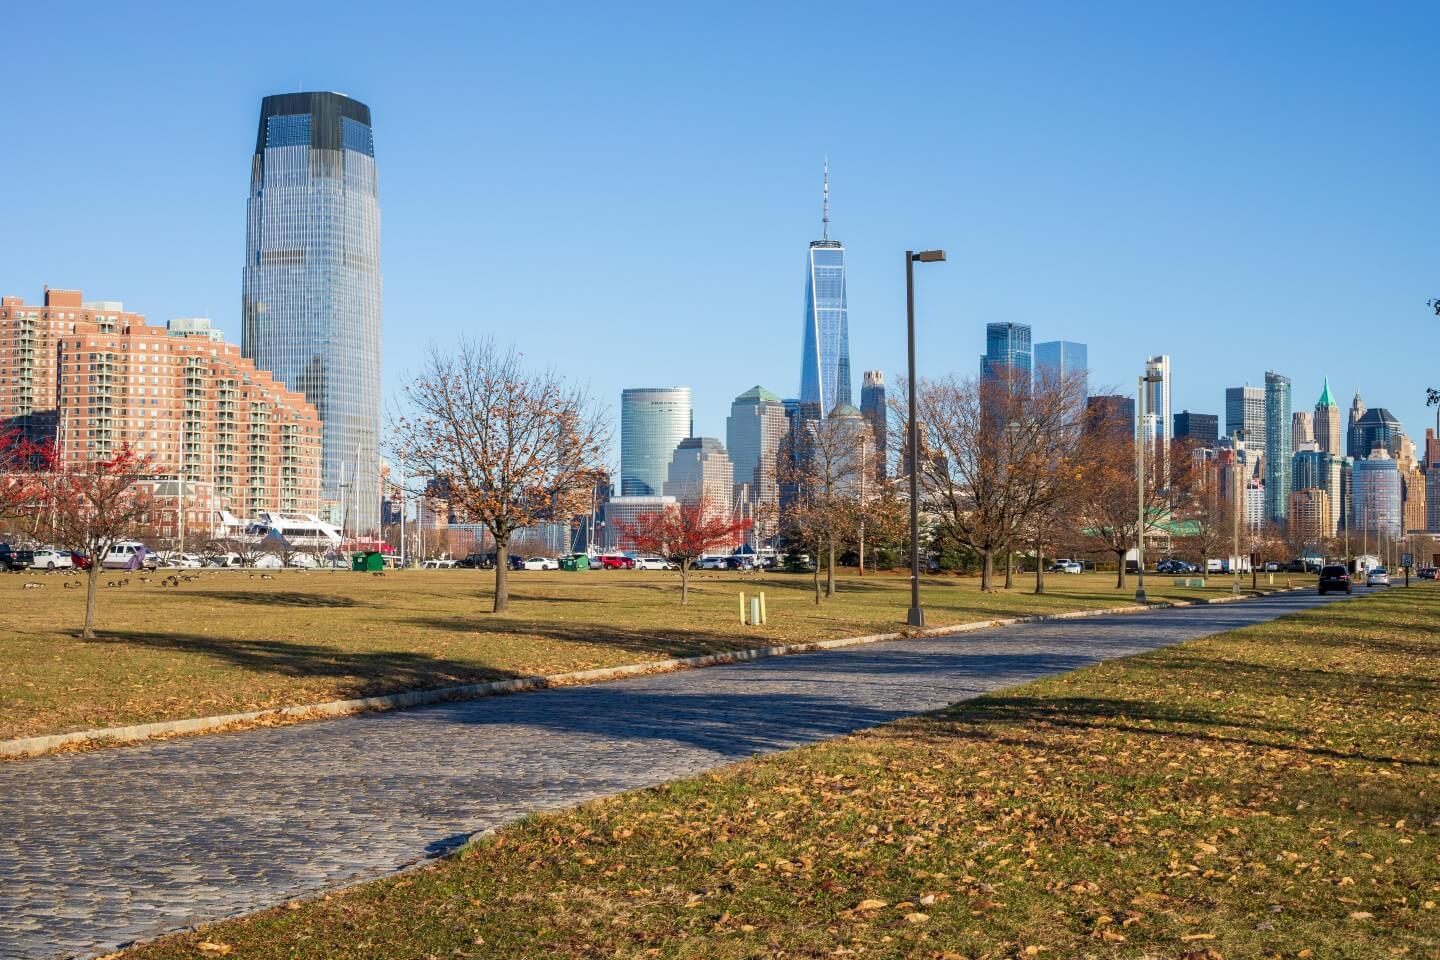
{"x":15,"y":559}
{"x":478,"y":561}
{"x":1334,"y":577}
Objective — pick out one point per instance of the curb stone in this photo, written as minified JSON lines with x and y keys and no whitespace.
{"x":114,"y":736}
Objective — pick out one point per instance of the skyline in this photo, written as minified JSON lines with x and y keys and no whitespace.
{"x":1287,"y":182}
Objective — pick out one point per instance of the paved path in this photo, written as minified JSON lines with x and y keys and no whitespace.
{"x":101,"y":849}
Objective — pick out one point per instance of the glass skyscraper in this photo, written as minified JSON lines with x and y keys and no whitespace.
{"x":653,"y":421}
{"x":825,"y":344}
{"x":1063,"y":360}
{"x":1007,"y":353}
{"x":311,"y":283}
{"x":1277,"y":446}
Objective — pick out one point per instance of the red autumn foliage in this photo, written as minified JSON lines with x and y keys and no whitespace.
{"x":684,"y":533}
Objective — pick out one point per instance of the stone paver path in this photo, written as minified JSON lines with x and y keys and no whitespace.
{"x":101,"y":849}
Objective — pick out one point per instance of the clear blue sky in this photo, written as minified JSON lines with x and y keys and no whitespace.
{"x":626,"y":194}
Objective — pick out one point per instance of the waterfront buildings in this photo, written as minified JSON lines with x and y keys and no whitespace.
{"x":1245,"y":411}
{"x":1310,"y":511}
{"x":1432,"y":480}
{"x":1375,"y":428}
{"x":753,"y":434}
{"x":653,"y":421}
{"x":93,"y":379}
{"x":1327,"y":422}
{"x":1277,"y":446}
{"x":873,"y":408}
{"x":1318,"y":470}
{"x":311,"y":282}
{"x":825,"y":341}
{"x":1377,"y":495}
{"x":1008,"y":354}
{"x":1200,"y":429}
{"x":1302,"y":431}
{"x":701,"y":468}
{"x":623,"y":512}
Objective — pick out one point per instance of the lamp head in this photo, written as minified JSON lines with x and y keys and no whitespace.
{"x":929,"y":256}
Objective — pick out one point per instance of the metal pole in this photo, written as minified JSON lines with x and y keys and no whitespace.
{"x":917,"y":613}
{"x":1140,"y":492}
{"x":1237,"y":494}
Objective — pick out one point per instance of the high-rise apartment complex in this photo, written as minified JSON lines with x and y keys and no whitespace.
{"x":1245,"y":410}
{"x":94,"y":379}
{"x":825,"y":342}
{"x":700,"y":467}
{"x":753,"y":433}
{"x":1064,"y":361}
{"x":311,"y":282}
{"x":872,"y":407}
{"x":653,"y":421}
{"x":1277,"y":446}
{"x":1200,"y":429}
{"x":1008,"y":354}
{"x":1327,"y":422}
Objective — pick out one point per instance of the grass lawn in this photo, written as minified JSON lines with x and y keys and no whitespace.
{"x":230,"y":642}
{"x":1270,"y":792}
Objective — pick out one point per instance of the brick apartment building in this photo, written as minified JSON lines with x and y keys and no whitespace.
{"x":92,"y":377}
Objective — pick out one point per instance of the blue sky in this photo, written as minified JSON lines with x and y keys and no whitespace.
{"x":626,"y":192}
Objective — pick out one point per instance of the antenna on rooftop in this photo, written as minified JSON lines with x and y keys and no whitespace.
{"x":825,"y":215}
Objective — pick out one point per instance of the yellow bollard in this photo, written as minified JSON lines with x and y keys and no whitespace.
{"x":742,"y":609}
{"x":763,"y":618}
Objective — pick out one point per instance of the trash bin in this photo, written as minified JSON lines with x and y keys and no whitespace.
{"x":567,"y":563}
{"x":367,"y":561}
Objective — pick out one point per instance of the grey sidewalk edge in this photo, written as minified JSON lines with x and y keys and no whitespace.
{"x":36,"y":746}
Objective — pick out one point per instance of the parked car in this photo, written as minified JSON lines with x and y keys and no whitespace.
{"x":478,"y":561}
{"x":48,"y":558}
{"x":741,"y":561}
{"x":1377,"y":577}
{"x":79,"y":559}
{"x":653,"y":563}
{"x":712,"y":563}
{"x":225,"y":560}
{"x":541,"y":563}
{"x":1426,"y":573}
{"x":438,"y":565}
{"x":1173,"y":565}
{"x":122,"y":554}
{"x":1333,"y":577}
{"x":617,"y":561}
{"x":184,"y":561}
{"x":1274,"y":566}
{"x":1066,"y":566}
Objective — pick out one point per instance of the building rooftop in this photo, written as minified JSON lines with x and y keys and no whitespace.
{"x":758,"y":392}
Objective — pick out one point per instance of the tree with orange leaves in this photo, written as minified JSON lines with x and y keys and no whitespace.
{"x":684,"y":532}
{"x":23,"y":464}
{"x":512,"y":447}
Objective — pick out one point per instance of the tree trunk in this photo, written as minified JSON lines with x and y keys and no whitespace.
{"x":684,"y":581}
{"x":502,"y":575}
{"x":830,"y":570}
{"x":1120,"y":570}
{"x":1039,"y":568}
{"x":987,"y":571}
{"x":91,"y":583}
{"x":817,"y":581}
{"x":1009,"y":568}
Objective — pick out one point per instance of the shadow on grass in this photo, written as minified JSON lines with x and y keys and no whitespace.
{"x":284,"y":598}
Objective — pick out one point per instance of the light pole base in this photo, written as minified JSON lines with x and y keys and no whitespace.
{"x":916,"y":617}
{"x":1140,"y":596}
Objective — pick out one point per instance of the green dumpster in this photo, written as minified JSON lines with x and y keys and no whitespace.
{"x":567,"y":563}
{"x":367,"y":560}
{"x":576,"y":561}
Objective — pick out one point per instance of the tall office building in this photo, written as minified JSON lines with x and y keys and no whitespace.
{"x":753,"y":434}
{"x":1111,"y":411}
{"x":1375,"y":427}
{"x":1377,"y":495}
{"x":1158,"y":426}
{"x":1245,"y":410}
{"x":1318,"y":470}
{"x":653,"y":421}
{"x":1357,"y":410}
{"x":872,"y":407}
{"x":1199,"y":429}
{"x":825,"y":344}
{"x":700,"y":467}
{"x":1065,"y":361}
{"x":1277,"y":446}
{"x":1008,"y":354}
{"x":1302,"y":430}
{"x":1327,"y":422}
{"x":311,"y":283}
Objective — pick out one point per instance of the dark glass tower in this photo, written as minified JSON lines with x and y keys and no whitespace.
{"x":825,"y":347}
{"x":311,"y":287}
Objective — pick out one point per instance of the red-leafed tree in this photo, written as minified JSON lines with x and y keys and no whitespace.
{"x":22,"y":465}
{"x":93,"y":507}
{"x":684,"y":533}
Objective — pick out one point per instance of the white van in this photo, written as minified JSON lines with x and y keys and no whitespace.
{"x":123,"y":552}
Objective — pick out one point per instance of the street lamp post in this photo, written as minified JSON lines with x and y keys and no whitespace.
{"x":1140,"y":441}
{"x":917,"y":613}
{"x":1238,"y":495}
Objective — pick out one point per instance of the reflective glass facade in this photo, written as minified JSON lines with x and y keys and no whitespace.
{"x":1064,"y":361}
{"x":1376,"y":491}
{"x":653,"y":421}
{"x":825,"y":352}
{"x":1007,"y":347}
{"x":311,"y":285}
{"x":1277,"y":446}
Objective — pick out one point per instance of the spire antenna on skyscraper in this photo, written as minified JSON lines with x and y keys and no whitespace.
{"x":825,"y":203}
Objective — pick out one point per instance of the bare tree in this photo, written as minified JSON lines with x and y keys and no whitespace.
{"x":93,"y":508}
{"x":514,"y":447}
{"x":823,"y":463}
{"x":991,"y":458}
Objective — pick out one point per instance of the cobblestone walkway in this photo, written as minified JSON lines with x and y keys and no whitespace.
{"x":100,"y":849}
